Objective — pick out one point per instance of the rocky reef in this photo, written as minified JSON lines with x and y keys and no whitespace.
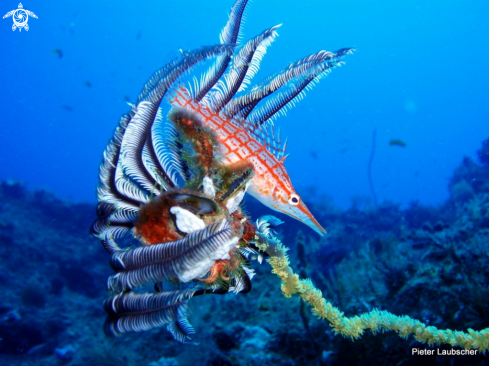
{"x":425,"y":262}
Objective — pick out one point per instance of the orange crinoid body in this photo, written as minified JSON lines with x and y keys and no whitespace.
{"x":223,"y":268}
{"x":154,"y":224}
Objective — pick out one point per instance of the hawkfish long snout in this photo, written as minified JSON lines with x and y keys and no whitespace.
{"x":293,"y":207}
{"x":302,"y":213}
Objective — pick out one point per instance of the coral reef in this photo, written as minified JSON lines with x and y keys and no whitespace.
{"x":428,"y":263}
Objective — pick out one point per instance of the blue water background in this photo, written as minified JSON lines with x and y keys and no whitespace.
{"x":420,"y":74}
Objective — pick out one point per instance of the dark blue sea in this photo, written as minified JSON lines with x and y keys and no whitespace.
{"x":390,"y":152}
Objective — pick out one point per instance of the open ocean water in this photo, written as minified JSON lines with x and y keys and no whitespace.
{"x":384,"y":151}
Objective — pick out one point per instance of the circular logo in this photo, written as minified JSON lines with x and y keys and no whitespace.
{"x":20,"y":18}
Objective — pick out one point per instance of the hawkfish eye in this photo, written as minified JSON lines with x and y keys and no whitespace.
{"x":294,"y":199}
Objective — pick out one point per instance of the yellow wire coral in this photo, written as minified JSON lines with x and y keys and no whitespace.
{"x":375,"y":320}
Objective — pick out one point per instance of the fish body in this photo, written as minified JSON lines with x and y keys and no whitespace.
{"x":58,"y":52}
{"x":271,"y":184}
{"x":397,"y":142}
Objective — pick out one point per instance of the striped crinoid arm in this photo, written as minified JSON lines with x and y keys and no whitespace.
{"x":156,"y":87}
{"x":118,"y":200}
{"x":115,"y":224}
{"x":279,"y":103}
{"x":137,"y":164}
{"x":229,"y":36}
{"x":173,"y":149}
{"x":136,"y":156}
{"x":183,"y":260}
{"x":292,"y":91}
{"x":119,"y":195}
{"x":140,"y":144}
{"x":310,"y":66}
{"x":131,"y":312}
{"x":245,"y":65}
{"x":107,"y":191}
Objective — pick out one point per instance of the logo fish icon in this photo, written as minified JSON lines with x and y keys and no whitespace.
{"x":20,"y":17}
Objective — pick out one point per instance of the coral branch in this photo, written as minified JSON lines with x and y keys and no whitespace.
{"x":375,"y":320}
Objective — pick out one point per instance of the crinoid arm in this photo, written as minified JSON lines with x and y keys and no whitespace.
{"x":136,"y":164}
{"x":245,"y":65}
{"x":229,"y":35}
{"x":182,"y":260}
{"x":132,"y":312}
{"x":290,"y":84}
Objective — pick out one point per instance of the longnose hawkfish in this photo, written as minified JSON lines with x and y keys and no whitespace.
{"x":243,"y":125}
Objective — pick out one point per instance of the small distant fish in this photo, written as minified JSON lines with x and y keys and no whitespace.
{"x":126,"y":98}
{"x":139,"y":35}
{"x":397,"y":142}
{"x":87,"y":83}
{"x":58,"y":52}
{"x":67,"y":107}
{"x":314,"y":155}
